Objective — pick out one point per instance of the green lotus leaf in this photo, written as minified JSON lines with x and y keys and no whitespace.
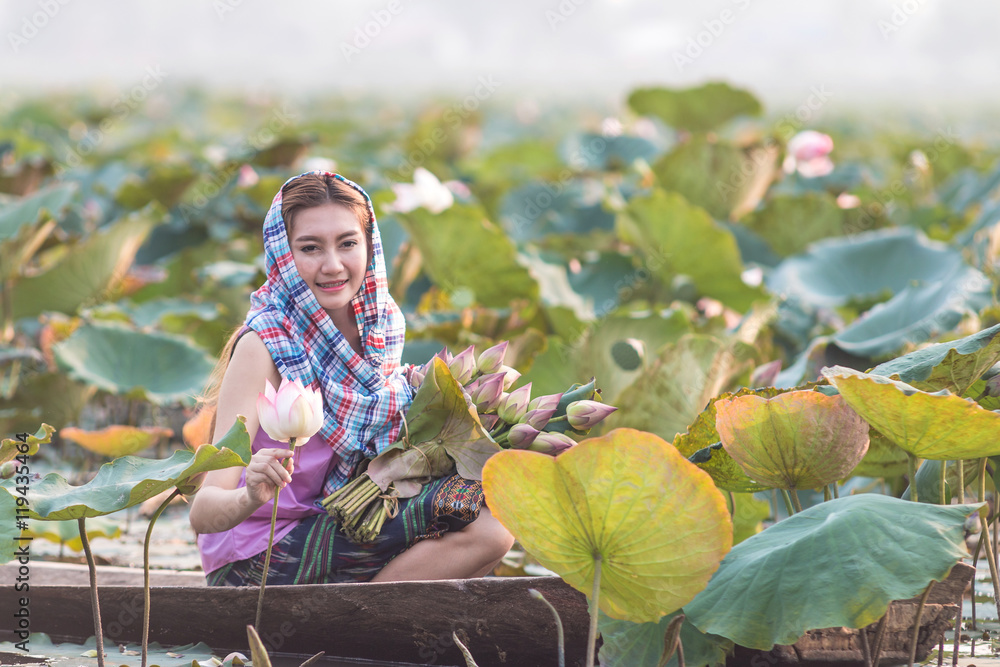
{"x":700,"y":444}
{"x":916,"y":314}
{"x":53,"y":397}
{"x":695,"y":109}
{"x":627,"y":644}
{"x":795,"y":440}
{"x":68,"y":653}
{"x":11,"y":447}
{"x":939,"y":426}
{"x":674,"y":236}
{"x":748,"y":516}
{"x":23,"y":225}
{"x":870,"y":265}
{"x":535,"y":211}
{"x":163,"y":183}
{"x":883,"y":458}
{"x":150,"y":313}
{"x":162,"y":367}
{"x":130,"y":480}
{"x":587,"y":151}
{"x":442,"y":428}
{"x":88,"y":269}
{"x":68,"y":532}
{"x":677,"y":386}
{"x":593,"y":354}
{"x":9,"y":532}
{"x":790,"y":224}
{"x":627,"y":500}
{"x":462,"y":249}
{"x":929,"y":479}
{"x":759,"y":597}
{"x":954,"y":366}
{"x":714,"y":174}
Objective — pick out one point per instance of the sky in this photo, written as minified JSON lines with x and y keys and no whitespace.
{"x":920,"y":54}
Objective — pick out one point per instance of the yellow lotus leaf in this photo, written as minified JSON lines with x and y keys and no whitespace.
{"x":197,"y":430}
{"x":115,"y":441}
{"x":938,"y":426}
{"x":795,"y":440}
{"x":628,"y":500}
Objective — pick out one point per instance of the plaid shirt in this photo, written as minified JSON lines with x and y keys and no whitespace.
{"x":364,"y":397}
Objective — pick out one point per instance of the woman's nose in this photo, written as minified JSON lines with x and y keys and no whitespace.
{"x":332,"y":262}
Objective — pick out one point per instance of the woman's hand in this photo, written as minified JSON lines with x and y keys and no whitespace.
{"x":269,"y":469}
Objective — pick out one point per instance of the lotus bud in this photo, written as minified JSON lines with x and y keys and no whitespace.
{"x":491,"y":360}
{"x":489,"y":392}
{"x":546,"y":402}
{"x":537,"y":418}
{"x":585,"y":415}
{"x":471,"y":388}
{"x":515,"y":404}
{"x":463,"y":365}
{"x":290,"y":412}
{"x":7,"y":469}
{"x":552,"y":443}
{"x":521,"y":436}
{"x":510,"y":376}
{"x":416,"y":378}
{"x":444,"y":355}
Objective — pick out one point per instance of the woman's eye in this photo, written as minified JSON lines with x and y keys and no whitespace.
{"x":308,"y":248}
{"x":350,"y":244}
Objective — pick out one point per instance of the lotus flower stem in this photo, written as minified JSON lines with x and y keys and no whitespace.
{"x":774,"y":504}
{"x":795,"y":500}
{"x":961,"y":482}
{"x":879,"y":636}
{"x":975,"y":564}
{"x":826,"y":493}
{"x":866,"y":651}
{"x":94,"y":602}
{"x":984,"y":536}
{"x":270,"y":543}
{"x":958,"y":636}
{"x":912,"y":466}
{"x":145,"y":574}
{"x":560,"y":638}
{"x":592,"y":633}
{"x":944,"y":482}
{"x":916,"y":620}
{"x":788,"y":502}
{"x":836,"y":491}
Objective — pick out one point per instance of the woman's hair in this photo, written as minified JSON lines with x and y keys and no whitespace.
{"x":306,"y":191}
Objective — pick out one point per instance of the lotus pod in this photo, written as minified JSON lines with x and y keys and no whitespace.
{"x":796,"y":440}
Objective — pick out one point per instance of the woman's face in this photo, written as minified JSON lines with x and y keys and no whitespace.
{"x":331,"y":254}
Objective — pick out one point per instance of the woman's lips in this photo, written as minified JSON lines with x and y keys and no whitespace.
{"x":333,"y":286}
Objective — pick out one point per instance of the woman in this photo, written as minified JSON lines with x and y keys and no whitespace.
{"x":324,"y":315}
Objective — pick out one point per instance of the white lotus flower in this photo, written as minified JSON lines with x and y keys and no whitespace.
{"x":293,"y":411}
{"x":426,"y":191}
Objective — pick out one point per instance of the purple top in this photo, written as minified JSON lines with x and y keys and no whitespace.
{"x":296,"y":501}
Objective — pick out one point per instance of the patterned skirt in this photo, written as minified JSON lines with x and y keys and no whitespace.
{"x":317,"y":551}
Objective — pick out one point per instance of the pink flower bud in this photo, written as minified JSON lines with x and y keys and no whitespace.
{"x":416,"y":378}
{"x":584,"y":415}
{"x":515,"y":404}
{"x":463,"y":365}
{"x":491,"y":359}
{"x":538,"y":418}
{"x":444,"y":355}
{"x":489,"y":392}
{"x":290,"y":412}
{"x":521,"y":436}
{"x":546,"y":402}
{"x":809,"y":145}
{"x":551,"y":443}
{"x":510,"y":376}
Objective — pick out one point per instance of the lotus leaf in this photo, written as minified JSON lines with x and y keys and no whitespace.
{"x":916,"y":314}
{"x":68,"y":532}
{"x":165,"y":368}
{"x":66,"y":654}
{"x":929,"y":480}
{"x":795,"y":440}
{"x":675,"y":236}
{"x":695,"y":109}
{"x":151,"y":312}
{"x":9,"y":532}
{"x":748,"y":515}
{"x":864,"y":266}
{"x":883,"y":458}
{"x":9,"y":447}
{"x":20,"y":231}
{"x":130,"y":480}
{"x":790,"y":224}
{"x":677,"y":386}
{"x":443,"y":431}
{"x":114,"y":441}
{"x":938,"y":426}
{"x":163,"y":183}
{"x":87,"y":270}
{"x":535,"y":210}
{"x":595,"y":152}
{"x":700,"y":444}
{"x":628,"y":501}
{"x":461,"y":248}
{"x":954,"y":366}
{"x":627,"y":644}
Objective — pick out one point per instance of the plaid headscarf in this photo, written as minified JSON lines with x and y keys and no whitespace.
{"x":362,"y":396}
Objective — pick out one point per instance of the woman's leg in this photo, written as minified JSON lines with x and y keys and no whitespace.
{"x":467,"y":553}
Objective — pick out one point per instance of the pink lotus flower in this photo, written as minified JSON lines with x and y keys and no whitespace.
{"x":293,"y":411}
{"x":546,"y":402}
{"x":521,"y":436}
{"x":808,"y":153}
{"x":513,"y":406}
{"x":463,"y":365}
{"x":489,"y":392}
{"x":491,"y":360}
{"x":510,"y":376}
{"x":538,"y":418}
{"x":552,"y":443}
{"x":585,"y":415}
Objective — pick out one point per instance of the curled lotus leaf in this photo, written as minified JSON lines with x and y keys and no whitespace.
{"x":795,"y":440}
{"x":939,"y":425}
{"x":117,"y":440}
{"x":11,"y":447}
{"x":628,"y":501}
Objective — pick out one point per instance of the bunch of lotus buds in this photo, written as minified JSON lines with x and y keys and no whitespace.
{"x":513,"y":418}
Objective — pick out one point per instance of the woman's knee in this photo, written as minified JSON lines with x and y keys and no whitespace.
{"x":490,"y":534}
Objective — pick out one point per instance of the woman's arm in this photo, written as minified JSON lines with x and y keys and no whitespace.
{"x":219,"y":505}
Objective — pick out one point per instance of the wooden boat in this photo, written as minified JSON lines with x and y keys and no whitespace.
{"x":412,"y":622}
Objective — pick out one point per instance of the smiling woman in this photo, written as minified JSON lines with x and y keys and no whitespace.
{"x":324,"y":316}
